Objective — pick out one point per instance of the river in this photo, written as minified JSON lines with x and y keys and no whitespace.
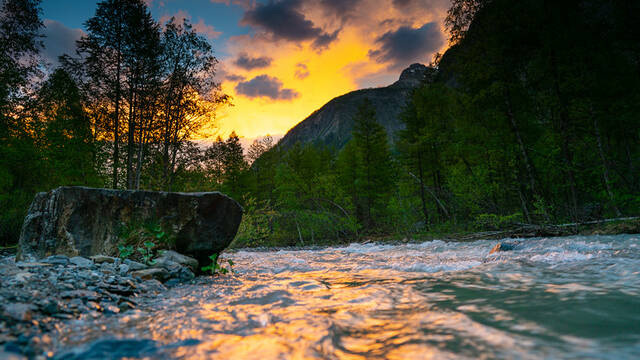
{"x":558,"y":298}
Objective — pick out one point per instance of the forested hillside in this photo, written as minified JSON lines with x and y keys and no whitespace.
{"x":532,"y":117}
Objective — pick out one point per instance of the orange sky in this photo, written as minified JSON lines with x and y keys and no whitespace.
{"x":348,"y":63}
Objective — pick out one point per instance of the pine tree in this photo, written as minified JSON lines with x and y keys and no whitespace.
{"x":375,"y":179}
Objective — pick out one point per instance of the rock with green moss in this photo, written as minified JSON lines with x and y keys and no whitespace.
{"x":81,"y":221}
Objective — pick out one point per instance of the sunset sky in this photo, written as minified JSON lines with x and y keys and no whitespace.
{"x":281,"y":60}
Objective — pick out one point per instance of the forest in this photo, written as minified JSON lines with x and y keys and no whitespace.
{"x":530,"y":117}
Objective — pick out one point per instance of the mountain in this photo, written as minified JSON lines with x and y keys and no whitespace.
{"x":332,"y":124}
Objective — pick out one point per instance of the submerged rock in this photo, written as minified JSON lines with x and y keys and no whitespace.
{"x":80,"y":221}
{"x":504,"y":246}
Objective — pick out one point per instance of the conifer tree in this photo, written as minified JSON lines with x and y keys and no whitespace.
{"x":375,"y":175}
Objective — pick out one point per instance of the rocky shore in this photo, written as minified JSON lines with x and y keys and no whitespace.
{"x":37,"y":296}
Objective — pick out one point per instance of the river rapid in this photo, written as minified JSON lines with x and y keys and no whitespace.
{"x":556,"y":298}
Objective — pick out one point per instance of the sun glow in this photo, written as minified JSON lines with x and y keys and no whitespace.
{"x":330,"y":74}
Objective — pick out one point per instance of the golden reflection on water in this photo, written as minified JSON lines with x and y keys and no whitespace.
{"x":333,"y":305}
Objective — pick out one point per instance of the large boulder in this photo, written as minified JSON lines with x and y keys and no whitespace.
{"x":81,"y":221}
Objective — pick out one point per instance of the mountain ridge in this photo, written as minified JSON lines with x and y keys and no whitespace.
{"x":332,"y":123}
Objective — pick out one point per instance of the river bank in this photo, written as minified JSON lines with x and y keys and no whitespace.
{"x":36,"y":297}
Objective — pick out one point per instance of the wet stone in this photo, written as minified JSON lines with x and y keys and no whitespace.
{"x":84,"y":294}
{"x":99,"y":259}
{"x":134,"y":265}
{"x":81,"y":262}
{"x":56,"y":260}
{"x":154,"y":273}
{"x":178,"y":258}
{"x":123,"y":269}
{"x":18,"y":311}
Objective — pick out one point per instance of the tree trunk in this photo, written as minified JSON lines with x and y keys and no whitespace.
{"x":422,"y":194}
{"x":567,"y":156}
{"x":524,"y":154}
{"x":130,"y":138}
{"x":116,"y":124}
{"x":605,"y":165}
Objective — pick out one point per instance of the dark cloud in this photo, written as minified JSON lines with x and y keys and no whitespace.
{"x":265,"y":86}
{"x":283,"y":20}
{"x":340,"y":8}
{"x":302,"y":71}
{"x":407,"y":45}
{"x":423,"y":4}
{"x":324,"y":40}
{"x":402,"y":3}
{"x":249,"y":63}
{"x":232,"y":77}
{"x":59,"y":40}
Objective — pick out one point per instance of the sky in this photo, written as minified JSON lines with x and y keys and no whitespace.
{"x":280,"y":60}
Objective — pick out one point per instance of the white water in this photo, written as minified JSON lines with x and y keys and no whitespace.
{"x":575,"y":297}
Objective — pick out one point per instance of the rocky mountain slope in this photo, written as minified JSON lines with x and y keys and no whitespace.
{"x":332,"y":124}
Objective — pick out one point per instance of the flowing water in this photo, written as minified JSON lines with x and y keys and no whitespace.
{"x":571,"y":298}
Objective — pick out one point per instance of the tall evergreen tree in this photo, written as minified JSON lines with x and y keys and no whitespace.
{"x":375,"y":179}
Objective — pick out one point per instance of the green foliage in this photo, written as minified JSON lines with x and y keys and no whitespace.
{"x":147,"y":252}
{"x":125,"y":251}
{"x":215,"y":268}
{"x":496,"y":222}
{"x":367,"y":172}
{"x":145,"y":237}
{"x":256,"y":227}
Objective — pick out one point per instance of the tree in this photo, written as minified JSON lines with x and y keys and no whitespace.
{"x":234,"y":163}
{"x":190,"y":95}
{"x":259,"y":147}
{"x":375,"y":173}
{"x":21,"y":170}
{"x":68,"y":142}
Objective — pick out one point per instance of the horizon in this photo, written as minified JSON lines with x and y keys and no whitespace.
{"x":279,"y":75}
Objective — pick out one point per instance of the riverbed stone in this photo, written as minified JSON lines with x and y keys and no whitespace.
{"x":101,"y":259}
{"x":81,"y":262}
{"x":179,"y":258}
{"x":56,"y":260}
{"x":152,"y":273}
{"x":134,"y":265}
{"x":18,"y":311}
{"x":81,"y":221}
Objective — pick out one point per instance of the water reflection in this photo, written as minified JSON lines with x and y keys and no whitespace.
{"x":574,"y":297}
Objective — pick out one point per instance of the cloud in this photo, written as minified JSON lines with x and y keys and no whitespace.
{"x":235,"y":78}
{"x":402,"y":3}
{"x":324,"y":40}
{"x":405,"y":45}
{"x":340,"y":8}
{"x":265,"y":86}
{"x":59,"y":40}
{"x":284,"y":20}
{"x":200,"y":27}
{"x":302,"y":71}
{"x":246,"y":4}
{"x":247,"y":62}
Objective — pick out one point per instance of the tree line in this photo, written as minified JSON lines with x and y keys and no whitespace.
{"x":120,"y":112}
{"x":531,"y":116}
